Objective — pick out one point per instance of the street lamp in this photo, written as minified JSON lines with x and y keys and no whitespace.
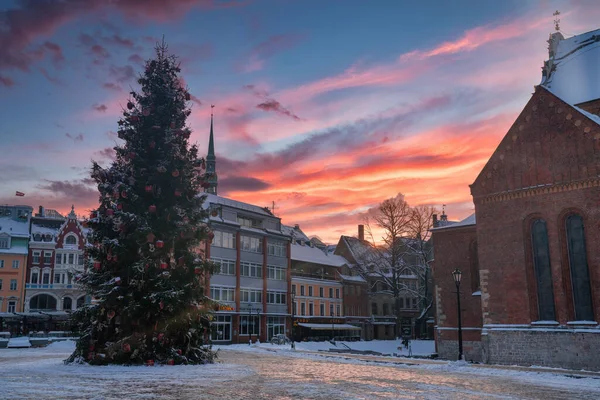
{"x":332,"y":326}
{"x":293,"y":318}
{"x":457,"y":275}
{"x":249,"y":322}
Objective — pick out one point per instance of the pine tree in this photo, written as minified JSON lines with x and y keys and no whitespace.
{"x":146,"y":271}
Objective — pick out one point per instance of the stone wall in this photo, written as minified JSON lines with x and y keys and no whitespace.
{"x":569,"y":349}
{"x":448,"y":350}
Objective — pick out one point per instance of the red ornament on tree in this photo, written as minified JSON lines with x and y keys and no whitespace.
{"x":186,"y":134}
{"x":126,"y":347}
{"x":110,"y":212}
{"x":134,"y":118}
{"x":160,"y":244}
{"x":124,"y":194}
{"x":205,"y":185}
{"x":150,"y":363}
{"x":180,"y":261}
{"x":175,"y":173}
{"x":119,"y":206}
{"x":187,"y":96}
{"x":97,"y":265}
{"x":179,"y":352}
{"x":211,"y":235}
{"x":163,"y":265}
{"x":93,"y":214}
{"x":171,"y":362}
{"x":152,"y":208}
{"x":146,"y":112}
{"x":110,"y":314}
{"x":129,"y":105}
{"x":131,"y":155}
{"x":198,"y":270}
{"x":177,"y":193}
{"x":149,"y":188}
{"x":161,"y":305}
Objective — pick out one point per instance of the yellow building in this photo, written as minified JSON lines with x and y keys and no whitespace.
{"x":14,"y":237}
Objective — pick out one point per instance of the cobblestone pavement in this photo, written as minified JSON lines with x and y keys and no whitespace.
{"x":35,"y":374}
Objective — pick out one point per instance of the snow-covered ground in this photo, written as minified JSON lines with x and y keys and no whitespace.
{"x":385,"y":347}
{"x":274,"y":372}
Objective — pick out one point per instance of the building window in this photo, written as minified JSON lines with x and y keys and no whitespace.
{"x":338,"y":310}
{"x":12,"y":306}
{"x":543,"y":273}
{"x":36,"y":257}
{"x":337,"y":293}
{"x":401,"y":302}
{"x":15,"y":264}
{"x":46,"y":277}
{"x":474,"y":266}
{"x":222,"y":293}
{"x":67,"y":303}
{"x":321,"y":292}
{"x":47,"y":257}
{"x":374,"y":308}
{"x":34,"y":276}
{"x":293,"y":289}
{"x":80,"y":259}
{"x":252,"y":270}
{"x":58,"y":259}
{"x":277,"y":273}
{"x":302,"y":309}
{"x":248,"y":222}
{"x":250,"y":243}
{"x":227,"y":267}
{"x":71,"y":259}
{"x":322,"y":309}
{"x":221,"y":328}
{"x":250,"y":325}
{"x":311,"y":309}
{"x":224,"y":239}
{"x":331,"y":293}
{"x":56,"y":278}
{"x":0,"y":284}
{"x":302,"y":290}
{"x":294,"y":308}
{"x":1,"y":263}
{"x":414,"y":303}
{"x":275,"y":326}
{"x":4,"y":243}
{"x":276,"y":297}
{"x":277,"y":248}
{"x":71,"y":240}
{"x":331,"y":310}
{"x":386,"y":309}
{"x":250,"y":296}
{"x":580,"y":277}
{"x":13,"y":284}
{"x":310,"y":291}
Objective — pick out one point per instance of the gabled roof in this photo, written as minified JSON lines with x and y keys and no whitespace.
{"x":572,"y":70}
{"x":14,"y":228}
{"x":302,"y":249}
{"x":469,"y":221}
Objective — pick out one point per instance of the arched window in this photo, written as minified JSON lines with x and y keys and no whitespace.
{"x":543,"y":272}
{"x":70,"y":240}
{"x":67,"y":303}
{"x":580,"y":277}
{"x":42,"y":302}
{"x":474,"y":266}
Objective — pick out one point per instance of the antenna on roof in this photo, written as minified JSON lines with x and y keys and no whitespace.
{"x":556,"y":20}
{"x":443,"y":209}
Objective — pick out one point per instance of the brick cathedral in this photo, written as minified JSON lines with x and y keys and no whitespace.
{"x":530,"y":255}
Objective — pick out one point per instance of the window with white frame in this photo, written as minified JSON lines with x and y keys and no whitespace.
{"x":277,"y":248}
{"x":252,"y":270}
{"x":4,"y":242}
{"x":276,"y":297}
{"x":15,"y":264}
{"x":250,"y":325}
{"x":276,"y":272}
{"x":222,"y":293}
{"x":224,"y":239}
{"x":58,"y":258}
{"x":249,"y":222}
{"x":35,"y":259}
{"x":80,"y":259}
{"x":46,"y":277}
{"x":310,"y":291}
{"x":302,"y":308}
{"x":331,"y":310}
{"x":321,"y":294}
{"x":275,"y":326}
{"x":57,"y":278}
{"x":227,"y":267}
{"x":338,"y":310}
{"x":71,"y":240}
{"x":331,"y":293}
{"x":47,"y":257}
{"x":13,"y":284}
{"x":1,"y":263}
{"x":250,"y":243}
{"x":302,"y":290}
{"x":322,"y":309}
{"x":311,"y":309}
{"x":12,"y":306}
{"x":71,"y":257}
{"x":35,"y":276}
{"x":337,"y":293}
{"x":250,"y":296}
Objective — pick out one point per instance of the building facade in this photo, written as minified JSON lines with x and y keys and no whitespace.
{"x":537,"y":218}
{"x":56,"y":256}
{"x":253,"y":283}
{"x":14,"y":234}
{"x":318,"y":307}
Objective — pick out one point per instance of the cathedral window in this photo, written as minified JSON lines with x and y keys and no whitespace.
{"x":543,"y":272}
{"x":578,"y":265}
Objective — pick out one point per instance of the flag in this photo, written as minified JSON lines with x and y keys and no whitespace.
{"x":20,"y":194}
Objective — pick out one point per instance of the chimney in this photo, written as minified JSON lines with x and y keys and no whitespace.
{"x":41,"y":212}
{"x":435,"y":220}
{"x":361,"y":232}
{"x":297,"y":227}
{"x":444,"y":217}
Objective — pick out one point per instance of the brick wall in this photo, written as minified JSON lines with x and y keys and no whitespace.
{"x":452,"y":248}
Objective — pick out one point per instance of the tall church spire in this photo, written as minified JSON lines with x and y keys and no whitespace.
{"x":211,"y":159}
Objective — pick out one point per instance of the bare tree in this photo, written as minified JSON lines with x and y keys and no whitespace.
{"x":402,"y":254}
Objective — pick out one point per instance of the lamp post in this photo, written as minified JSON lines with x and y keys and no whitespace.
{"x":293,"y":318}
{"x":249,"y":322}
{"x":457,"y":275}
{"x":332,"y":327}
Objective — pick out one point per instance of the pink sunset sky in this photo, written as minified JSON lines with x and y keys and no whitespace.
{"x":325,"y":108}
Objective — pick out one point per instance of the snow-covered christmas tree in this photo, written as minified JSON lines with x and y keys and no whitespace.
{"x":146,"y":271}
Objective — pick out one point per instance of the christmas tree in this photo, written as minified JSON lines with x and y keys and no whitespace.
{"x":145,"y":270}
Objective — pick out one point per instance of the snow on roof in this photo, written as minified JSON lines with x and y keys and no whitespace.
{"x":352,"y":278}
{"x":214,"y":199}
{"x":14,"y":228}
{"x":306,"y":251}
{"x":35,"y":228}
{"x":470,"y":220}
{"x":574,"y":69}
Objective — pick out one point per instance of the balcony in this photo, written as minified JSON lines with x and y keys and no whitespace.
{"x":50,"y":286}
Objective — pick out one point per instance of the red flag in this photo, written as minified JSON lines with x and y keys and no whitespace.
{"x":20,"y":194}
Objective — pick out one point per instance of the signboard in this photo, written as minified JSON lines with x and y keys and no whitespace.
{"x":406,"y":328}
{"x":320,"y":320}
{"x":224,"y":307}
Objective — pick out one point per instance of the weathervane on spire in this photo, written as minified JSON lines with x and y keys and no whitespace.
{"x":443,"y":209}
{"x":211,"y":109}
{"x":556,"y":20}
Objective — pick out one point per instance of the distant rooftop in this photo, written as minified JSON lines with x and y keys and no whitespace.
{"x":470,"y":220}
{"x":214,"y":199}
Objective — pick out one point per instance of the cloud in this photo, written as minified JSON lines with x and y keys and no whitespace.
{"x":6,"y":81}
{"x":75,"y":138}
{"x":52,"y":79}
{"x":100,"y":107}
{"x":107,"y":153}
{"x":257,"y":56}
{"x":275,"y":106}
{"x":119,"y":41}
{"x":242,"y":183}
{"x":17,"y":173}
{"x":100,"y":51}
{"x":122,"y":74}
{"x":136,"y":59}
{"x":78,"y":192}
{"x":112,"y":86}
